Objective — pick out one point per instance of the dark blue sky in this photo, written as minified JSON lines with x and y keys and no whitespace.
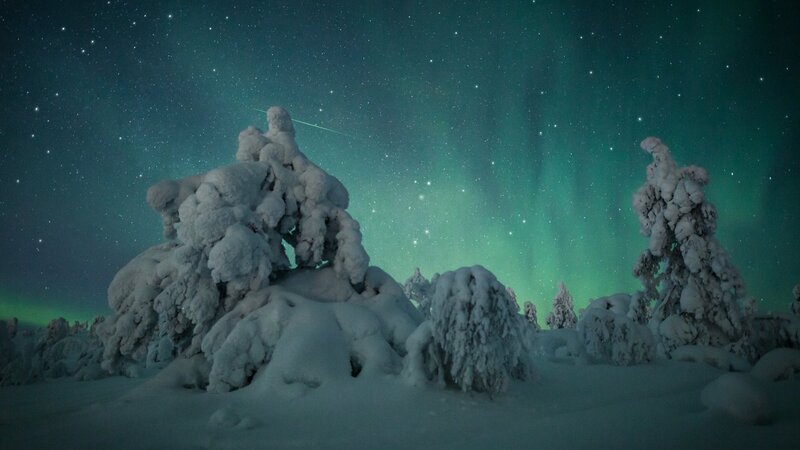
{"x":499,"y":133}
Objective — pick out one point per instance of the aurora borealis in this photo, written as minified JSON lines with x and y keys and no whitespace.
{"x":496,"y":133}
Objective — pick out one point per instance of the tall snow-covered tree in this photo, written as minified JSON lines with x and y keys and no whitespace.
{"x":530,"y":315}
{"x":696,"y":287}
{"x":563,"y":313}
{"x":418,"y":288}
{"x":796,"y":303}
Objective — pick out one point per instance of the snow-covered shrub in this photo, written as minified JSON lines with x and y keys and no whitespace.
{"x":418,"y":288}
{"x":778,"y":364}
{"x":696,"y":287}
{"x":231,"y":224}
{"x":769,"y":332}
{"x":530,"y":316}
{"x":563,"y":313}
{"x":55,"y":351}
{"x":609,"y":335}
{"x":7,"y":334}
{"x":476,"y":336}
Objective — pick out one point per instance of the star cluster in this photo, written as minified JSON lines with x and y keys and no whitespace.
{"x":495,"y":133}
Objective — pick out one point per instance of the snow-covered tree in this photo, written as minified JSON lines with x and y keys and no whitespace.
{"x":796,"y":303}
{"x":475,"y":336}
{"x":685,"y":269}
{"x":611,"y":337}
{"x":52,"y":352}
{"x":639,"y":310}
{"x":230,"y":224}
{"x":563,"y":313}
{"x":418,"y":288}
{"x":530,"y":315}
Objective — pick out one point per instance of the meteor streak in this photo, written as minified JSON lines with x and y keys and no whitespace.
{"x":314,"y":125}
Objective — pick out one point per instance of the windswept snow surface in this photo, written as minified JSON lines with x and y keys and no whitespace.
{"x":655,"y":405}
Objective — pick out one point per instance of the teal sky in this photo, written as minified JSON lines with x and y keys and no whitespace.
{"x":496,"y":133}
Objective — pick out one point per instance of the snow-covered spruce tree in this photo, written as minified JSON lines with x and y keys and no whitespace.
{"x":531,"y":317}
{"x":696,"y":287}
{"x":475,"y":336}
{"x":418,"y":288}
{"x":796,"y":303}
{"x":224,"y":287}
{"x":563,"y":313}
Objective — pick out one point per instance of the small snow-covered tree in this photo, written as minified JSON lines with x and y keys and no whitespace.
{"x":685,"y":269}
{"x":563,"y":313}
{"x":796,"y":303}
{"x":530,"y":315}
{"x":615,"y":338}
{"x":418,"y":288}
{"x":476,"y":331}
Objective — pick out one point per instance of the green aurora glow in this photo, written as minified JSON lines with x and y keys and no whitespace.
{"x":525,"y":118}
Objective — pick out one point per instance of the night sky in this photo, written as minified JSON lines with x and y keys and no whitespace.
{"x":496,"y":133}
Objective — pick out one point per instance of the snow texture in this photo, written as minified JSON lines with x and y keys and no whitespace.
{"x":713,"y":356}
{"x":563,"y":313}
{"x":475,"y":338}
{"x":779,"y":364}
{"x":739,"y":396}
{"x":639,"y":310}
{"x":230,"y":225}
{"x":419,"y":289}
{"x":561,"y":344}
{"x":530,"y":316}
{"x":696,"y":287}
{"x":310,"y":329}
{"x":609,"y":335}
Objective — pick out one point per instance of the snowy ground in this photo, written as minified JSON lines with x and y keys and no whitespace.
{"x":570,"y":406}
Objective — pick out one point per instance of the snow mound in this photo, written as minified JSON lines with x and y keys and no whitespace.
{"x":738,"y":396}
{"x":296,"y":341}
{"x":713,"y":356}
{"x":558,"y":345}
{"x":779,"y":364}
{"x":609,"y":335}
{"x":475,"y":338}
{"x":231,"y":225}
{"x":616,"y":303}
